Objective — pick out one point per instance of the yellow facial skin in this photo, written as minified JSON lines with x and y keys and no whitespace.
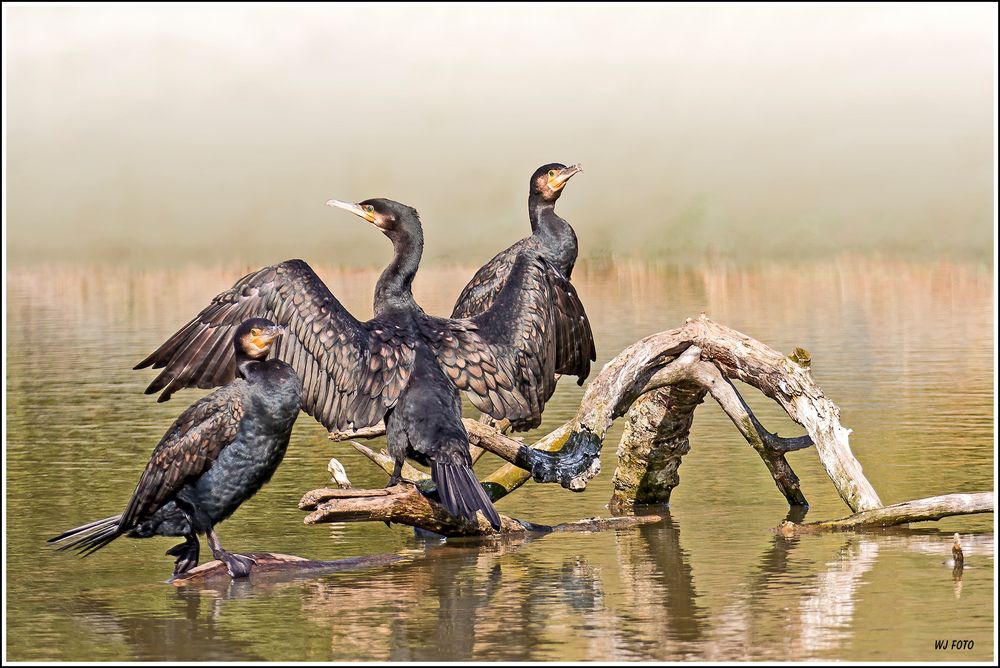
{"x":258,"y":342}
{"x":558,"y":178}
{"x":366,"y":211}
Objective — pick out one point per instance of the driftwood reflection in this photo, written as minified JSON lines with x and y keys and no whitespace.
{"x":632,"y":594}
{"x":659,"y":591}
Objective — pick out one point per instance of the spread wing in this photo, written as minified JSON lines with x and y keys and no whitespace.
{"x":352,"y":372}
{"x":518,"y":336}
{"x":485,"y":285}
{"x":575,"y":348}
{"x":186,"y":451}
{"x":487,"y":372}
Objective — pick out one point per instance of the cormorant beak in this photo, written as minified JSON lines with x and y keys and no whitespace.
{"x":268,"y":335}
{"x":356,"y":209}
{"x":558,"y":181}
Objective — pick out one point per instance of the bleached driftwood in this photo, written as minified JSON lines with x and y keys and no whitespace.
{"x":920,"y":510}
{"x":708,"y":354}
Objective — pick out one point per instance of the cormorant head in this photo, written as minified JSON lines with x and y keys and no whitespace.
{"x":548,"y":180}
{"x":394,"y":219}
{"x":255,"y":337}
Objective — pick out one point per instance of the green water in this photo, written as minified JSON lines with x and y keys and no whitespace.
{"x":905,"y":349}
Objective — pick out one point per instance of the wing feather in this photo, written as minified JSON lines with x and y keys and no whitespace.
{"x":575,"y":348}
{"x":352,"y":371}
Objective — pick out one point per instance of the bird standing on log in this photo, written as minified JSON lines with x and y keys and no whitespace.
{"x":553,"y":239}
{"x":403,"y":366}
{"x":215,"y":456}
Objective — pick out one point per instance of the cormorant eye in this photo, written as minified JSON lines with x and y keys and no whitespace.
{"x":552,"y":173}
{"x":370,"y":209}
{"x":255,"y":332}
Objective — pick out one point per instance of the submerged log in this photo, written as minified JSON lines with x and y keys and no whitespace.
{"x":267,"y":564}
{"x":405,"y":504}
{"x":920,"y":510}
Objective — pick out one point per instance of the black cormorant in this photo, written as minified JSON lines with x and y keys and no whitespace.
{"x":403,"y":366}
{"x":215,"y":456}
{"x":553,"y":239}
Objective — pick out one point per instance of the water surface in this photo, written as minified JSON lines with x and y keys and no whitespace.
{"x":905,"y":349}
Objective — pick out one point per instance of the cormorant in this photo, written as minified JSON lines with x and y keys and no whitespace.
{"x":403,"y":366}
{"x":215,"y":456}
{"x":554,"y":239}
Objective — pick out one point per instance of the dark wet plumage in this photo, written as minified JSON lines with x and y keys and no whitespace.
{"x":215,"y":456}
{"x":554,"y":242}
{"x":403,"y":366}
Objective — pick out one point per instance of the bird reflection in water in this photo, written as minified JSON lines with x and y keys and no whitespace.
{"x":194,"y":632}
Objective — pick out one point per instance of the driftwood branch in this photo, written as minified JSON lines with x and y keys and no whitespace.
{"x":268,"y":564}
{"x":405,"y":504}
{"x":920,"y":510}
{"x":385,"y":462}
{"x":483,"y":437}
{"x":658,"y":423}
{"x":655,"y":438}
{"x":675,"y":356}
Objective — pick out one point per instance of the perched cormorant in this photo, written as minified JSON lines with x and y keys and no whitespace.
{"x":215,"y":456}
{"x":553,"y":239}
{"x":403,"y":366}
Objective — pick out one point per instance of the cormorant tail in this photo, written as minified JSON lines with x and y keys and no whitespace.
{"x":461,"y":493}
{"x":90,"y":537}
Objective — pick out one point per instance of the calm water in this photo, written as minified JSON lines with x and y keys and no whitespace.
{"x":905,"y":349}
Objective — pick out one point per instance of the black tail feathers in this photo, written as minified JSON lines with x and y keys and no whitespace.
{"x":91,"y":536}
{"x":461,"y":493}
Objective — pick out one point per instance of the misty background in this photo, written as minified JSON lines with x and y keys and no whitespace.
{"x":158,"y":135}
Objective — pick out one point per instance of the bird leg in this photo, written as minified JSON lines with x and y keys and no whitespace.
{"x":238,"y":565}
{"x":397,"y":474}
{"x":186,"y":553}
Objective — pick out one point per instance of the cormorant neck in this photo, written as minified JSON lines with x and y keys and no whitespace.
{"x":543,"y":217}
{"x":245,"y":365}
{"x":393,"y":290}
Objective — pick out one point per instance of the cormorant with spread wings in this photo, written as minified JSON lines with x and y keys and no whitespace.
{"x":403,"y":365}
{"x":553,"y":239}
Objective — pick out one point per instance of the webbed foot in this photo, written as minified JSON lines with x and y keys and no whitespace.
{"x":238,"y":565}
{"x":187,"y":556}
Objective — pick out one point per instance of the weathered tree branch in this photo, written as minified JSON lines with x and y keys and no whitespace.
{"x":658,"y":423}
{"x":485,"y":438}
{"x":656,"y":437}
{"x":668,"y":357}
{"x":385,"y":462}
{"x":405,"y":504}
{"x":919,"y":510}
{"x":368,"y":432}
